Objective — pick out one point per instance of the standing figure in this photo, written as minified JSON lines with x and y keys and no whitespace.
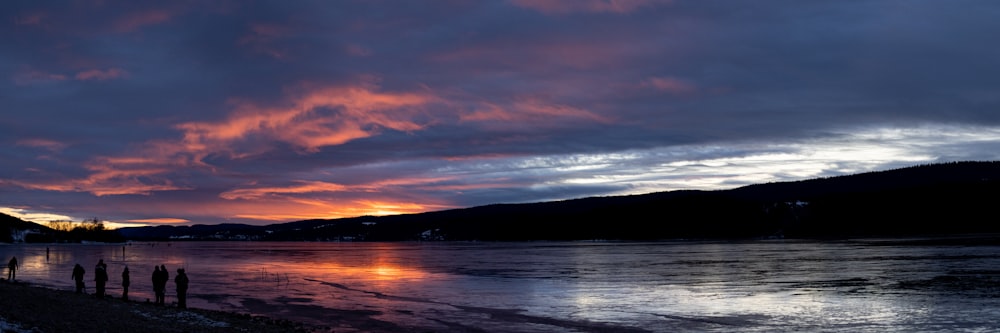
{"x":78,"y":277}
{"x":182,"y":286}
{"x":164,"y":278}
{"x":12,"y":269}
{"x":100,"y":277}
{"x":157,"y":288}
{"x":125,"y":283}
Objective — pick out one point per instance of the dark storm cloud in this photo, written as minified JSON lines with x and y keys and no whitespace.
{"x":272,"y":111}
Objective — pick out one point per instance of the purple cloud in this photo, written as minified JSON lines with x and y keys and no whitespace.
{"x":261,"y":112}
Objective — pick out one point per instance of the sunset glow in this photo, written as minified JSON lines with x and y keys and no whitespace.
{"x":203,"y":113}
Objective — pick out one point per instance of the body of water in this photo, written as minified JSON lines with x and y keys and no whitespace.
{"x":761,"y":286}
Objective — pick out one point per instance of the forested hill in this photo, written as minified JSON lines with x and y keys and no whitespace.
{"x":13,"y":229}
{"x":934,"y":199}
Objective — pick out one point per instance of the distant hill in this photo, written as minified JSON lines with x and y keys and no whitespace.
{"x":13,"y":229}
{"x":936,"y":199}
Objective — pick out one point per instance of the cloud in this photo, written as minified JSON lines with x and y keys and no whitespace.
{"x":30,"y":77}
{"x":542,"y":54}
{"x":587,"y":6}
{"x":264,"y":38}
{"x":99,"y":75}
{"x":162,"y":220}
{"x":729,"y":165}
{"x":358,"y":50}
{"x":29,"y":19}
{"x":134,"y":21}
{"x":256,"y":111}
{"x":314,"y":200}
{"x":670,"y":85}
{"x":300,"y":188}
{"x":105,"y":181}
{"x":33,"y":216}
{"x":300,"y":209}
{"x":301,"y":202}
{"x":50,"y":145}
{"x":530,"y":112}
{"x":320,"y":117}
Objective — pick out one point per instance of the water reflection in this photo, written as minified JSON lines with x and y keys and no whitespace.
{"x":524,"y":287}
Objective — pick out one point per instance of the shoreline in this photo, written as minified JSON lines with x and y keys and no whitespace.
{"x":28,"y":308}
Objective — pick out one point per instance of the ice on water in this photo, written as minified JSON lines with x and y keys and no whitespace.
{"x":843,"y":286}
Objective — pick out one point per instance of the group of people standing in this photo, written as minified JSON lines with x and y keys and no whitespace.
{"x":160,"y":279}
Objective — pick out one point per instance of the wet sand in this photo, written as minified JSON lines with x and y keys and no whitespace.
{"x":26,"y":308}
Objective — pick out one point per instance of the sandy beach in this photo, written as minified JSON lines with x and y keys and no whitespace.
{"x":26,"y":308}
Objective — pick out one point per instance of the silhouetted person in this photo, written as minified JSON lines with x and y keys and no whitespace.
{"x":100,"y":277}
{"x":78,"y":277}
{"x":182,"y":286}
{"x":125,"y":283}
{"x":12,"y":269}
{"x":164,"y":278}
{"x":157,"y":287}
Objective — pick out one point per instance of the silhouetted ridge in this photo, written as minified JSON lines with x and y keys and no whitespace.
{"x":909,"y":177}
{"x":922,"y":200}
{"x":13,"y":229}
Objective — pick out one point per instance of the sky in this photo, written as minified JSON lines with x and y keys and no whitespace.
{"x":261,"y":112}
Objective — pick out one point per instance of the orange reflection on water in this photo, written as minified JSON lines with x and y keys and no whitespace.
{"x":374,"y":271}
{"x":382,"y":269}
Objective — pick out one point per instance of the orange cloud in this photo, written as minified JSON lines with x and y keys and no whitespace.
{"x":166,"y":220}
{"x":131,"y":175}
{"x":301,"y":187}
{"x":42,"y":143}
{"x":275,"y":202}
{"x":587,"y":6}
{"x":99,"y":75}
{"x":272,"y":209}
{"x":322,"y":209}
{"x":530,"y":110}
{"x":305,"y":186}
{"x":99,"y":186}
{"x":322,"y":117}
{"x":317,"y":118}
{"x":119,"y":175}
{"x":288,"y":207}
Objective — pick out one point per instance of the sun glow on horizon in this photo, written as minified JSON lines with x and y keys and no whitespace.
{"x":45,"y":218}
{"x":34,"y":216}
{"x":165,"y":220}
{"x":443,"y":184}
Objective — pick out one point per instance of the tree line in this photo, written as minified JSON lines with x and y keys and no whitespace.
{"x":90,"y":230}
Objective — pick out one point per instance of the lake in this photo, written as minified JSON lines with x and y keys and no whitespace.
{"x":758,"y":286}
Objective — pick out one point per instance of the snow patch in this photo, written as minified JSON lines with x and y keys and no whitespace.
{"x":6,"y":326}
{"x":188,"y":317}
